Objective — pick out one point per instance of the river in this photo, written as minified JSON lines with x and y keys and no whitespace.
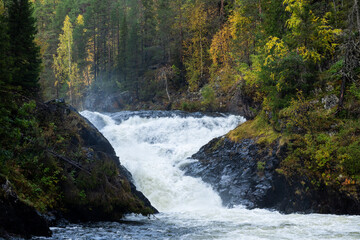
{"x":153,"y":146}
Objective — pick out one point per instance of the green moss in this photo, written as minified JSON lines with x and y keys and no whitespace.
{"x":261,"y":166}
{"x":218,"y":144}
{"x":257,"y":129}
{"x":190,"y":106}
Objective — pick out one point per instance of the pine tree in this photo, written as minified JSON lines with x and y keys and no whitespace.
{"x":122,"y":46}
{"x":45,"y":13}
{"x":5,"y":60}
{"x":165,"y":19}
{"x":23,"y":49}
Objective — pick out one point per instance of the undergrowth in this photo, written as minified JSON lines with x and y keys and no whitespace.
{"x":258,"y":129}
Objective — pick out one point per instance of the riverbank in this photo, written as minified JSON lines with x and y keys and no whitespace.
{"x":67,"y":172}
{"x":250,"y":174}
{"x":234,"y":102}
{"x":190,"y":208}
{"x":318,"y":169}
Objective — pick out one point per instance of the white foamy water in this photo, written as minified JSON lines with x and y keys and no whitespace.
{"x":153,"y":147}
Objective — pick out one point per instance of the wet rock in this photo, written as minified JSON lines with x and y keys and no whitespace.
{"x":245,"y":173}
{"x":234,"y":170}
{"x":95,"y":186}
{"x":330,"y":101}
{"x":18,"y":218}
{"x":243,"y":105}
{"x":329,"y":88}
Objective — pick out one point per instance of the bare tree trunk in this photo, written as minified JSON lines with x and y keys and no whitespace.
{"x":352,"y":54}
{"x":57,"y":91}
{"x":118,"y":36}
{"x":222,"y":12}
{"x":167,"y":87}
{"x":342,"y":94}
{"x":356,"y":7}
{"x":260,"y":9}
{"x":334,"y":6}
{"x":335,"y":11}
{"x":164,"y":74}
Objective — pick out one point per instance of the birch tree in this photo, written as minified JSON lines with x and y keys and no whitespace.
{"x":65,"y":70}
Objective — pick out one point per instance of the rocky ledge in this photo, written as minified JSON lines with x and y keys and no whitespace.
{"x":18,"y":218}
{"x":245,"y":173}
{"x":98,"y":187}
{"x":91,"y":183}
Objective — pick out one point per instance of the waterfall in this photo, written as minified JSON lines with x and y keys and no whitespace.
{"x":153,"y":148}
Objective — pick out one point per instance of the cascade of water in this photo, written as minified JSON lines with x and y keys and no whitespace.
{"x":153,"y":148}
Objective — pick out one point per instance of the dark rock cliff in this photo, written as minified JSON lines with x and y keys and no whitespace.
{"x":89,"y":183}
{"x":96,"y":186}
{"x":246,"y":173}
{"x":242,"y":104}
{"x":239,"y":172}
{"x":17,"y":217}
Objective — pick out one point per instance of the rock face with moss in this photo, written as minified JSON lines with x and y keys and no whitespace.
{"x":17,"y":217}
{"x":94,"y":186}
{"x":248,"y":171}
{"x":66,"y":170}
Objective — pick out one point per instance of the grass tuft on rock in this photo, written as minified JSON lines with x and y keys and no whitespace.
{"x":257,"y":129}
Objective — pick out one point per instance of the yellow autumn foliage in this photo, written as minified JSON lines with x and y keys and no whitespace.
{"x":275,"y":48}
{"x":220,"y":49}
{"x":318,"y":39}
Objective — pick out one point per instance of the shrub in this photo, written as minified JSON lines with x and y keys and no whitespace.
{"x":208,"y":95}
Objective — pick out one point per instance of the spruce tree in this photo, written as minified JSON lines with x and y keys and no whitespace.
{"x":23,"y":49}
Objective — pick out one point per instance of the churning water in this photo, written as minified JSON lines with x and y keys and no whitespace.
{"x":153,"y":146}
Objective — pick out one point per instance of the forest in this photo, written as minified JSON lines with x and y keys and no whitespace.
{"x":267,"y":48}
{"x":294,"y":63}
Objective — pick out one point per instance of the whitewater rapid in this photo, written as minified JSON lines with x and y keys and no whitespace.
{"x":153,"y":146}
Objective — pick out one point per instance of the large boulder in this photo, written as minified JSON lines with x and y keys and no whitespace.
{"x":242,"y":104}
{"x":246,"y":173}
{"x":241,"y":172}
{"x":87,"y":181}
{"x":95,"y":186}
{"x":18,"y":218}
